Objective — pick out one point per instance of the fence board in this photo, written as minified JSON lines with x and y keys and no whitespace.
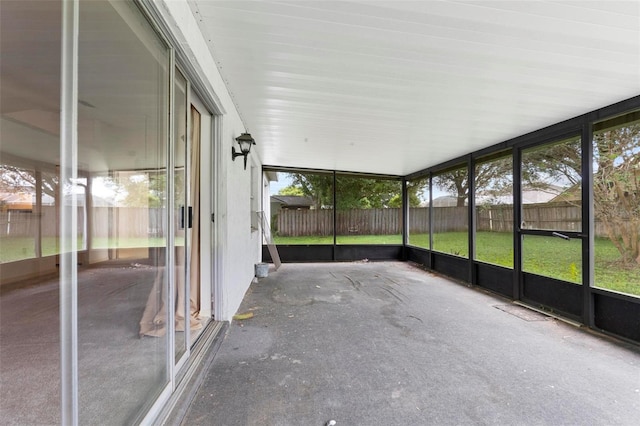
{"x":145,"y":222}
{"x":126,"y":221}
{"x":495,"y":218}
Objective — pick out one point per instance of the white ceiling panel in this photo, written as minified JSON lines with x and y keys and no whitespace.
{"x":397,"y":86}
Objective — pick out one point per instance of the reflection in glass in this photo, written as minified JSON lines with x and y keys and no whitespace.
{"x":368,"y":210}
{"x":49,"y":224}
{"x":418,"y":193}
{"x":301,"y":207}
{"x":450,"y":212}
{"x":127,"y":211}
{"x":180,"y":207}
{"x":195,"y":304}
{"x":616,"y":196}
{"x":18,"y":215}
{"x":122,"y":145}
{"x":494,"y":211}
{"x":186,"y":207}
{"x":29,"y":201}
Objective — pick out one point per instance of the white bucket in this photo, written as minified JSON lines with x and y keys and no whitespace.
{"x":262,"y":270}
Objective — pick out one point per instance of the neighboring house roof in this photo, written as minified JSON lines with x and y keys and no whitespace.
{"x":529,"y":196}
{"x":292,"y":200}
{"x":446,"y":201}
{"x":536,"y":196}
{"x":12,"y":198}
{"x":15,"y":201}
{"x":573,"y":193}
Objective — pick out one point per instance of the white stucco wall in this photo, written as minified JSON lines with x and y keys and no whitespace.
{"x":236,"y":245}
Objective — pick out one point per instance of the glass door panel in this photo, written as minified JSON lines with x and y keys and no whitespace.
{"x":551,"y":196}
{"x":202,"y":258}
{"x":30,"y":361}
{"x":194,"y":230}
{"x":122,"y":148}
{"x":552,"y":257}
{"x":181,"y":210}
{"x":551,"y":226}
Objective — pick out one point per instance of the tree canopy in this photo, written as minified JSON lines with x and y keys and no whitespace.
{"x":352,"y":192}
{"x":616,"y":187}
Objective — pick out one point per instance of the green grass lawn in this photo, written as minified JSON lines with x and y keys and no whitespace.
{"x":308,"y":240}
{"x":13,"y":249}
{"x":340,"y":239}
{"x":548,"y":256}
{"x":551,"y":257}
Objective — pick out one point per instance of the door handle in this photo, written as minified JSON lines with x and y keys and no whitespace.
{"x":559,"y":235}
{"x":188,"y":219}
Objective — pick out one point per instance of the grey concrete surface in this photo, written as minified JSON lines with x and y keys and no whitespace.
{"x":389,"y":344}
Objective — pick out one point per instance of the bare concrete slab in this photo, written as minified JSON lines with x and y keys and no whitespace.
{"x":389,"y":344}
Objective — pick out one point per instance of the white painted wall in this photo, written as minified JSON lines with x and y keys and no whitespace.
{"x":236,"y":246}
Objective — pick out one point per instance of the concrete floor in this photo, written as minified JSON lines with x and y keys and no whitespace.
{"x":390,"y":344}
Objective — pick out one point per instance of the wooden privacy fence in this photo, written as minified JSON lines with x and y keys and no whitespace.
{"x":495,"y":218}
{"x":369,"y":222}
{"x":356,"y":222}
{"x":106,"y":221}
{"x":558,"y":216}
{"x":25,"y":224}
{"x":145,"y":222}
{"x":304,"y":222}
{"x":137,"y":222}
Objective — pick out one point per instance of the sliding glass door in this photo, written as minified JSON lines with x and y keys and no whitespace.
{"x":30,"y":199}
{"x":123,"y":141}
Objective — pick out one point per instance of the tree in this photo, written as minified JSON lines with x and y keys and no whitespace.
{"x":137,"y":192}
{"x":455,"y":182}
{"x":414,"y":199}
{"x":492,"y":177}
{"x":366,"y":193}
{"x":16,"y":179}
{"x":616,"y":188}
{"x":549,"y":167}
{"x":145,"y":189}
{"x":318,"y":187}
{"x":616,"y":181}
{"x":291,"y":190}
{"x":352,"y":192}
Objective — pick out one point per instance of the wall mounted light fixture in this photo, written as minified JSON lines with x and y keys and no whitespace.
{"x":244,"y":141}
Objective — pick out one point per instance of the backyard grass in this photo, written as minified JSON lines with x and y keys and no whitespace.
{"x":340,"y":239}
{"x":13,"y":249}
{"x":306,"y":240}
{"x":551,"y":257}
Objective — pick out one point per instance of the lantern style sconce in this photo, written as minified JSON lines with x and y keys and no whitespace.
{"x":244,"y":141}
